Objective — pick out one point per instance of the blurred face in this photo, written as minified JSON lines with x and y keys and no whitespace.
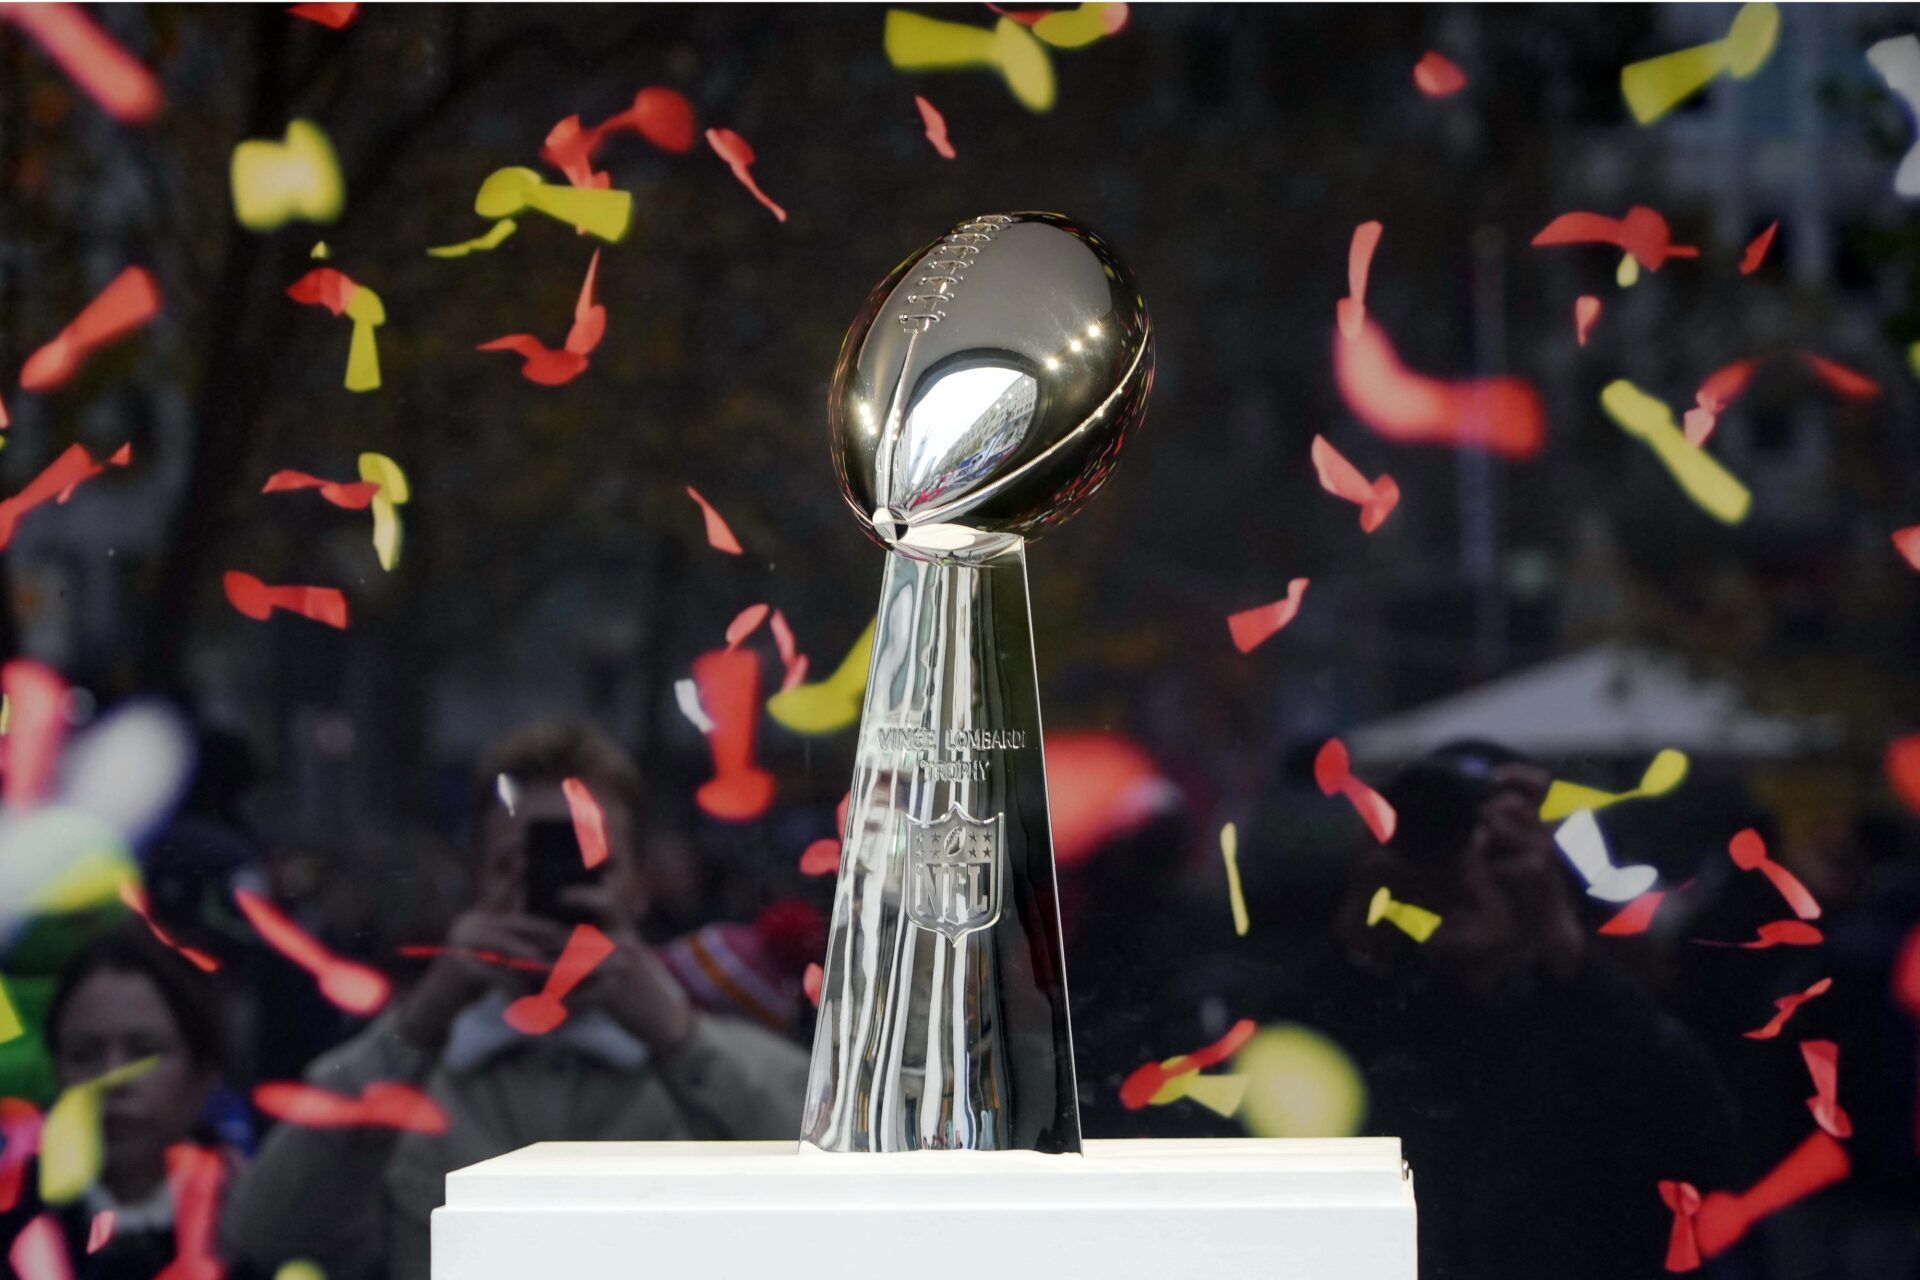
{"x":114,"y":1018}
{"x":503,"y":844}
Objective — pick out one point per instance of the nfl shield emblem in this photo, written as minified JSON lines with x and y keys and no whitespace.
{"x":953,"y":872}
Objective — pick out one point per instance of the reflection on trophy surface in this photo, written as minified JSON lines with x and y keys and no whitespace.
{"x":982,"y":394}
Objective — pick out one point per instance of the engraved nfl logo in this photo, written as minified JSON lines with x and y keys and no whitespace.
{"x":953,"y":872}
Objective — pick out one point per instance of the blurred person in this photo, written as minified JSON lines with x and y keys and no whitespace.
{"x":126,"y":999}
{"x":636,"y":1058}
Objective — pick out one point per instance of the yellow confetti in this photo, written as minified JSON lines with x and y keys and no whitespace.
{"x":1711,"y":486}
{"x":300,"y":1269}
{"x":1913,"y":362}
{"x":917,"y":43}
{"x":1076,"y":28}
{"x":1658,"y":85}
{"x":10,"y":1024}
{"x":597,"y":211}
{"x":275,"y":183}
{"x":1667,"y":770}
{"x":833,"y":703}
{"x":70,"y":1146}
{"x":1230,"y":850}
{"x":1417,"y":923}
{"x":6,"y":712}
{"x":367,"y":312}
{"x":1627,"y":274}
{"x":1221,"y":1094}
{"x":320,"y":250}
{"x":394,"y":494}
{"x":1300,"y":1084}
{"x":495,"y":237}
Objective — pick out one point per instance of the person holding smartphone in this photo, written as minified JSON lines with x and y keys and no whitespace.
{"x":635,"y":1059}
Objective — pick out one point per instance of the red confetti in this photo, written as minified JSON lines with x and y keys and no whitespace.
{"x":569,"y":148}
{"x":136,"y":899}
{"x":356,"y":495}
{"x":124,"y":305}
{"x":1351,"y":311}
{"x":744,"y":624}
{"x":1785,"y":1007}
{"x":936,"y":126}
{"x":1636,"y":916}
{"x":63,"y":475}
{"x":1642,"y":233}
{"x":719,"y":534}
{"x":1721,"y":1218}
{"x":20,"y":1126}
{"x":1437,"y":76}
{"x":353,"y":987}
{"x":810,"y":983}
{"x":337,"y":16}
{"x":37,"y":725}
{"x":589,"y":823}
{"x":537,"y":1014}
{"x":382,"y":1105}
{"x":1840,"y":379}
{"x":1903,"y":769}
{"x":1823,"y":1064}
{"x":39,"y":1252}
{"x":1683,"y":1244}
{"x":1376,"y":498}
{"x":421,"y":952}
{"x":194,"y":1175}
{"x":822,"y":857}
{"x":1757,"y":251}
{"x":729,"y":684}
{"x":550,"y":368}
{"x":1502,"y":414}
{"x":1907,"y":542}
{"x":1586,"y":310}
{"x":1333,"y":771}
{"x":100,"y":1231}
{"x":733,"y":148}
{"x":96,"y":61}
{"x":1775,"y":933}
{"x":663,"y":117}
{"x":324,"y":287}
{"x":1749,"y":853}
{"x":258,"y":600}
{"x":1720,"y":389}
{"x":791,"y":658}
{"x":1144,"y":1083}
{"x":1251,"y":627}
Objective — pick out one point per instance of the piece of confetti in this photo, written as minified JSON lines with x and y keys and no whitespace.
{"x":1301,"y":1084}
{"x":1712,"y":487}
{"x":1503,"y":414}
{"x":194,"y":1175}
{"x":729,"y":681}
{"x":136,"y":899}
{"x":1586,"y":851}
{"x":495,"y":236}
{"x":1586,"y":311}
{"x":347,"y":984}
{"x":1897,"y":59}
{"x":537,"y":1014}
{"x":1757,"y":251}
{"x":39,"y":1252}
{"x":1251,"y":628}
{"x":915,"y":42}
{"x":1643,"y":234}
{"x":687,"y":694}
{"x":734,"y":149}
{"x":36,"y":699}
{"x":1080,"y":26}
{"x":1705,"y":1227}
{"x":1145,"y":1084}
{"x":1749,"y":853}
{"x":1720,"y":389}
{"x":831,"y":704}
{"x":1656,"y":86}
{"x":1351,"y":311}
{"x":395,"y":492}
{"x":258,"y":600}
{"x":663,"y":117}
{"x":604,"y":213}
{"x":1339,"y":477}
{"x":822,"y":857}
{"x":1333,"y":772}
{"x":810,"y":983}
{"x":1840,"y":379}
{"x":381,"y":1105}
{"x":1784,"y":1008}
{"x":1417,"y":923}
{"x":719,"y":533}
{"x":936,"y":127}
{"x":1775,"y":933}
{"x":350,"y":496}
{"x":1902,"y":766}
{"x":1667,"y":770}
{"x":791,"y":659}
{"x":129,"y":301}
{"x":551,"y":368}
{"x":419,"y":951}
{"x":1907,"y":542}
{"x":1437,"y":76}
{"x":19,"y":1143}
{"x":72,"y":1150}
{"x":336,"y":16}
{"x":589,"y":823}
{"x":100,"y":1230}
{"x":340,"y":294}
{"x":744,"y":624}
{"x":296,"y":178}
{"x":1230,"y":853}
{"x":56,"y":484}
{"x":94,"y":60}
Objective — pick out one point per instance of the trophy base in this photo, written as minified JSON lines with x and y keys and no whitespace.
{"x":1227,"y":1209}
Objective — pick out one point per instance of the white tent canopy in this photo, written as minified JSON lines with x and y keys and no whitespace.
{"x":1610,"y":700}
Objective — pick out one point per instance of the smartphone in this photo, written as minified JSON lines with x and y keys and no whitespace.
{"x":554,"y":864}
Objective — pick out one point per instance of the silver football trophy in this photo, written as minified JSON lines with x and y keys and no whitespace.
{"x":980,"y":397}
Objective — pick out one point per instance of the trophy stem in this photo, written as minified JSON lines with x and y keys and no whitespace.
{"x":943,"y":1012}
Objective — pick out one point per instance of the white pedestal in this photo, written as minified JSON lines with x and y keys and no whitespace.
{"x":1244,"y":1209}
